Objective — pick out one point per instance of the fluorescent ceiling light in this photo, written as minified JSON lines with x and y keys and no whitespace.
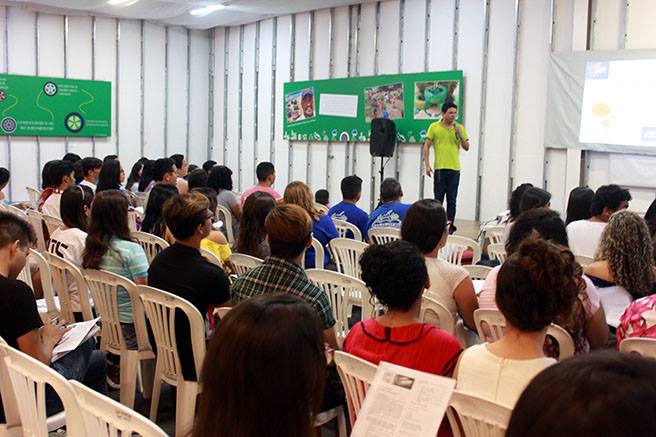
{"x":206,"y":10}
{"x":122,"y":2}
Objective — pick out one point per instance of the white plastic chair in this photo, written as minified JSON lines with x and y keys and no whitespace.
{"x":564,"y":340}
{"x":161,"y":308}
{"x":477,"y":417}
{"x":132,"y":219}
{"x":52,"y":303}
{"x":495,"y":234}
{"x":152,"y":244}
{"x":221,"y":311}
{"x":318,"y":254}
{"x":455,"y":248}
{"x":478,"y":272}
{"x":227,"y":219}
{"x":104,"y":289}
{"x":343,"y":227}
{"x":28,"y":380}
{"x":436,"y":314}
{"x":343,"y":291}
{"x":211,"y":257}
{"x":19,"y":212}
{"x":322,"y":209}
{"x":36,"y":220}
{"x":52,"y":223}
{"x":356,"y":375}
{"x":12,"y":423}
{"x":347,"y":254}
{"x":384,"y":235}
{"x":104,"y":417}
{"x":584,"y":260}
{"x":62,"y":273}
{"x":33,"y":194}
{"x":243,"y":263}
{"x":497,"y":251}
{"x":645,"y":347}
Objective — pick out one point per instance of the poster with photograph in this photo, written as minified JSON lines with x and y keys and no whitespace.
{"x":299,"y":105}
{"x":430,"y":96}
{"x":383,"y":101}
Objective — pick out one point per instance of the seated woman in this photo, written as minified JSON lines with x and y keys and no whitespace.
{"x":425,"y":225}
{"x":153,"y":221}
{"x":215,"y":242}
{"x":261,"y":334}
{"x":538,"y":282}
{"x":251,"y":238}
{"x":396,"y":274}
{"x":323,"y":228}
{"x":599,"y":394}
{"x":586,"y":321}
{"x":68,"y":242}
{"x":220,"y":179}
{"x":513,"y":208}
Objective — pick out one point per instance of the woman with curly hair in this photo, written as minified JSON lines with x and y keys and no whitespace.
{"x":623,"y":270}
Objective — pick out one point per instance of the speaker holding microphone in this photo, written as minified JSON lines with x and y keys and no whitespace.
{"x":383,"y":137}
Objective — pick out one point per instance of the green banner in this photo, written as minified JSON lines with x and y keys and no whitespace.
{"x":342,"y":109}
{"x":46,"y":106}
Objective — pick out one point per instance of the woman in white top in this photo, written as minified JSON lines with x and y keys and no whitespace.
{"x":425,"y":225}
{"x":68,"y":242}
{"x":535,"y":284}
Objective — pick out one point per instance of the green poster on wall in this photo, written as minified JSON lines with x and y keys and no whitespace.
{"x":46,"y":106}
{"x":342,"y":109}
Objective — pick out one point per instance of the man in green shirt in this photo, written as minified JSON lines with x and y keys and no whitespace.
{"x":447,"y":137}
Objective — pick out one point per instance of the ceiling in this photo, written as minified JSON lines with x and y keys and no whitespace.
{"x":177,"y":11}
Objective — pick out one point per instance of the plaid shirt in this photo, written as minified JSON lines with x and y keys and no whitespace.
{"x":276,"y":276}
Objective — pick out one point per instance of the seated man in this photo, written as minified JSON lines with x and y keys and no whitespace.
{"x":391,"y":211}
{"x":181,"y":171}
{"x":266,"y":176}
{"x":62,"y":176}
{"x":91,"y":171}
{"x":181,"y":270}
{"x":289,"y":232}
{"x":347,"y":209}
{"x":21,"y":326}
{"x":584,"y":235}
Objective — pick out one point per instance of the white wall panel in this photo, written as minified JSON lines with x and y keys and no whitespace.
{"x":232,"y":143}
{"x":51,"y":63}
{"x":105,"y":69}
{"x":640,"y":29}
{"x":154,"y":45}
{"x":129,"y":88}
{"x":219,"y":91}
{"x":248,"y":109}
{"x":440,"y":51}
{"x":298,"y":149}
{"x":608,"y":25}
{"x":23,"y":163}
{"x":471,"y":22}
{"x":264,"y":90}
{"x":198,"y":96}
{"x":177,"y":100}
{"x":78,"y":66}
{"x":283,"y":62}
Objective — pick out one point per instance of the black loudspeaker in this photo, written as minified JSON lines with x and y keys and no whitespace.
{"x":383,"y":137}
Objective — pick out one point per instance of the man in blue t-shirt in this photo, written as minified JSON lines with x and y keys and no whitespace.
{"x":391,"y":211}
{"x":346,"y":209}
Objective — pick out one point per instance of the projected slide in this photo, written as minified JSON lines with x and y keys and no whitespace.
{"x":619,"y":103}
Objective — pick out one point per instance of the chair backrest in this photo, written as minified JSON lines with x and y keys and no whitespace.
{"x":160,"y":308}
{"x":584,"y":260}
{"x":356,"y":375}
{"x":477,"y":417}
{"x":52,"y":223}
{"x":322,"y":209}
{"x":36,"y":220}
{"x":497,"y":251}
{"x":227,"y":219}
{"x":64,"y":272}
{"x":478,"y":272}
{"x":318,"y":254}
{"x":564,"y":340}
{"x":243,"y":263}
{"x":347,"y":254}
{"x":28,"y":379}
{"x":104,"y":288}
{"x":33,"y":194}
{"x":456,"y":247}
{"x":46,"y":282}
{"x":645,"y":347}
{"x":103,"y":416}
{"x":133,"y":215}
{"x":495,"y":234}
{"x":343,"y":291}
{"x":491,"y":319}
{"x":10,"y":406}
{"x":222,"y":311}
{"x":19,"y":212}
{"x":152,"y":244}
{"x":343,"y":227}
{"x":384,"y":235}
{"x":436,"y":314}
{"x":211,"y":257}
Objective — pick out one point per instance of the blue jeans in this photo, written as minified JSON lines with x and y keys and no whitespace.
{"x":84,"y":364}
{"x":446,"y":182}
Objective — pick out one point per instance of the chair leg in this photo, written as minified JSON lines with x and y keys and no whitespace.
{"x":129,"y":363}
{"x":147,"y":377}
{"x":341,"y":424}
{"x":157,"y":387}
{"x":185,"y":407}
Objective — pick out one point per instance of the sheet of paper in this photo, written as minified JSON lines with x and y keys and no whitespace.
{"x":78,"y":333}
{"x":403,"y":402}
{"x":339,"y":105}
